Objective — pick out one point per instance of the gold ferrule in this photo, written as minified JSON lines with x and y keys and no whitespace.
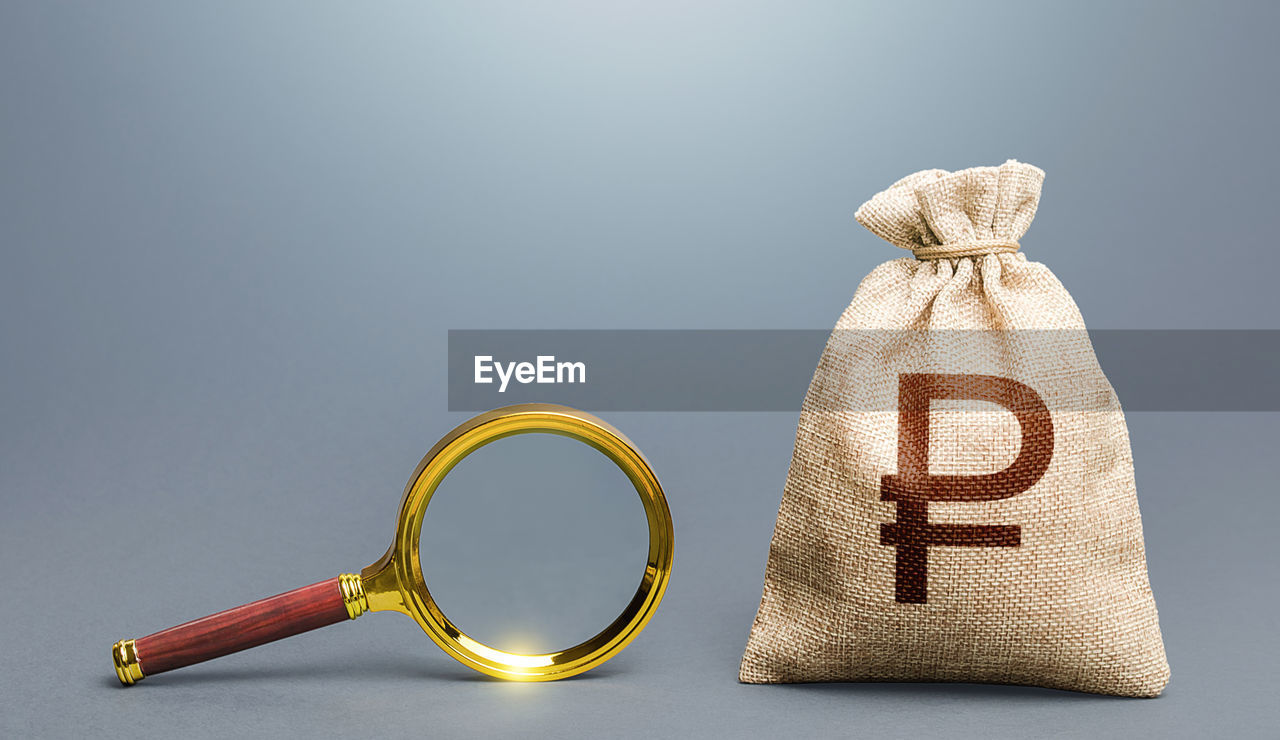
{"x":353,"y":595}
{"x":125,"y":656}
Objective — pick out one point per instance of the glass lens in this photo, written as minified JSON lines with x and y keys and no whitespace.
{"x":534,"y":543}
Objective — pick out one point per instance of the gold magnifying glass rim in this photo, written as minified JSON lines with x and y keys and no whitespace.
{"x":396,"y":583}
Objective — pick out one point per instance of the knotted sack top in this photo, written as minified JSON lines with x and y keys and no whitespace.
{"x":940,"y":215}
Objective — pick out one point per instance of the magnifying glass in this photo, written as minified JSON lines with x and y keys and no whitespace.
{"x":396,"y":583}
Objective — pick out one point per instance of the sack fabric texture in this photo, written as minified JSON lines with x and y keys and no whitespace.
{"x":960,"y":504}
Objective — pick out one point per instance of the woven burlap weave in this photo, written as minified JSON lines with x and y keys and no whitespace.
{"x":1044,"y":583}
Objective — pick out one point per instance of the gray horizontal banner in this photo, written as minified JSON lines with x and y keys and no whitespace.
{"x":770,"y":370}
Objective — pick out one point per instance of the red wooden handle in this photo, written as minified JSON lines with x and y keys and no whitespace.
{"x":274,"y":618}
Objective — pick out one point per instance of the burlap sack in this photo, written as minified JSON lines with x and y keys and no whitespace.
{"x":960,"y":504}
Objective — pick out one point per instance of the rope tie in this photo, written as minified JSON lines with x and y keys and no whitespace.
{"x":965,"y":249}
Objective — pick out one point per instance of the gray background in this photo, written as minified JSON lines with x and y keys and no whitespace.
{"x":235,"y":235}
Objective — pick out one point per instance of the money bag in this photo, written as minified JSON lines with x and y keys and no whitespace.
{"x":960,"y":504}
